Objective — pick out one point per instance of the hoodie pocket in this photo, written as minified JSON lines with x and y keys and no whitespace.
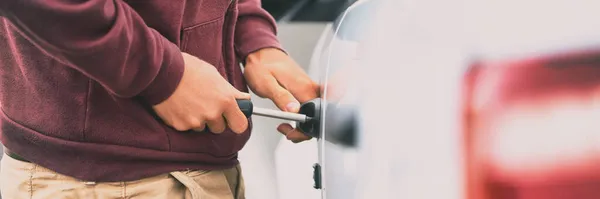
{"x":205,"y":41}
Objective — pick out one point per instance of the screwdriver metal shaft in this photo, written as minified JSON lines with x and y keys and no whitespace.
{"x":281,"y":114}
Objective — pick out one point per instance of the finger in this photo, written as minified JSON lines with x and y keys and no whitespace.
{"x":195,"y":124}
{"x":304,"y":90}
{"x":283,"y":99}
{"x":285,"y":128}
{"x":216,"y":125}
{"x":296,"y":136}
{"x":180,"y":126}
{"x":235,"y":118}
{"x":292,"y":134}
{"x":296,"y":81}
{"x":265,"y":85}
{"x":200,"y":128}
{"x":257,"y":80}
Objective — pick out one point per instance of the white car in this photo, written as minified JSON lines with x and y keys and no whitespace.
{"x":466,"y":99}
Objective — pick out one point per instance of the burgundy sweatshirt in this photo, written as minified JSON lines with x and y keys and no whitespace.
{"x":78,"y":79}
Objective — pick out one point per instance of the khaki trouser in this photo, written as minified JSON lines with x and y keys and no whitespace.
{"x":20,"y":180}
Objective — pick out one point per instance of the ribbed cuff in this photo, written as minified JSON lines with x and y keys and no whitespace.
{"x":168,"y":78}
{"x":255,"y":34}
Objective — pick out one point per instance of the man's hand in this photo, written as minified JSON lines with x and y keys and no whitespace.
{"x":203,"y":98}
{"x":272,"y":74}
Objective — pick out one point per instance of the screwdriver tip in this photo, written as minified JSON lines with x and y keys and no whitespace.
{"x":308,"y":119}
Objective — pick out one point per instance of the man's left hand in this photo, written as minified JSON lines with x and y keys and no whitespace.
{"x":272,"y":74}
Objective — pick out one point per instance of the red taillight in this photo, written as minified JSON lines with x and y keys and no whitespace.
{"x":533,"y":128}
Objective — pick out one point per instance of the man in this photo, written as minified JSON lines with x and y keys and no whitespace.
{"x":135,"y":99}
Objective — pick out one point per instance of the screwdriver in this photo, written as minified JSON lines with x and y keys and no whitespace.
{"x":248,"y":109}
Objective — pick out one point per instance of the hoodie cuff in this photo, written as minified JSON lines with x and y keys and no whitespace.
{"x":254,"y":34}
{"x":168,"y":78}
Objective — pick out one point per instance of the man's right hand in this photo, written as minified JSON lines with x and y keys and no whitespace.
{"x":202,"y":99}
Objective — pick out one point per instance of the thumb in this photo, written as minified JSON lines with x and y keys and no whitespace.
{"x":284,"y":100}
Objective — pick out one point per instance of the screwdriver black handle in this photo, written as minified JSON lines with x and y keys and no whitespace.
{"x":246,"y":106}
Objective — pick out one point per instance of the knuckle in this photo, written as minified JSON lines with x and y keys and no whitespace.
{"x":213,"y":116}
{"x":307,"y":86}
{"x":304,"y":81}
{"x":181,"y":127}
{"x":230,"y":102}
{"x":210,"y":114}
{"x":280,"y":93}
{"x":167,"y":122}
{"x":310,"y":88}
{"x":218,"y":129}
{"x":288,"y":137}
{"x":265,"y":90}
{"x":194,"y":122}
{"x":260,"y":90}
{"x":223,"y":101}
{"x":239,"y":128}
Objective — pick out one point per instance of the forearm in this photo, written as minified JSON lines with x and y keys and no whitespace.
{"x":104,"y":39}
{"x":256,"y":29}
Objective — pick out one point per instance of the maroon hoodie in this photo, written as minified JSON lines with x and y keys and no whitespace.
{"x":78,"y":79}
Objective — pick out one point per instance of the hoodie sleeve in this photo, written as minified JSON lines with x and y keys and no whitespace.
{"x":256,"y":29}
{"x":105,"y":40}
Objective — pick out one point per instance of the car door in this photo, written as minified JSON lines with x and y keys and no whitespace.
{"x":336,"y":66}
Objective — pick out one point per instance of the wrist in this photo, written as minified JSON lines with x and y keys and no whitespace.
{"x":263,"y":54}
